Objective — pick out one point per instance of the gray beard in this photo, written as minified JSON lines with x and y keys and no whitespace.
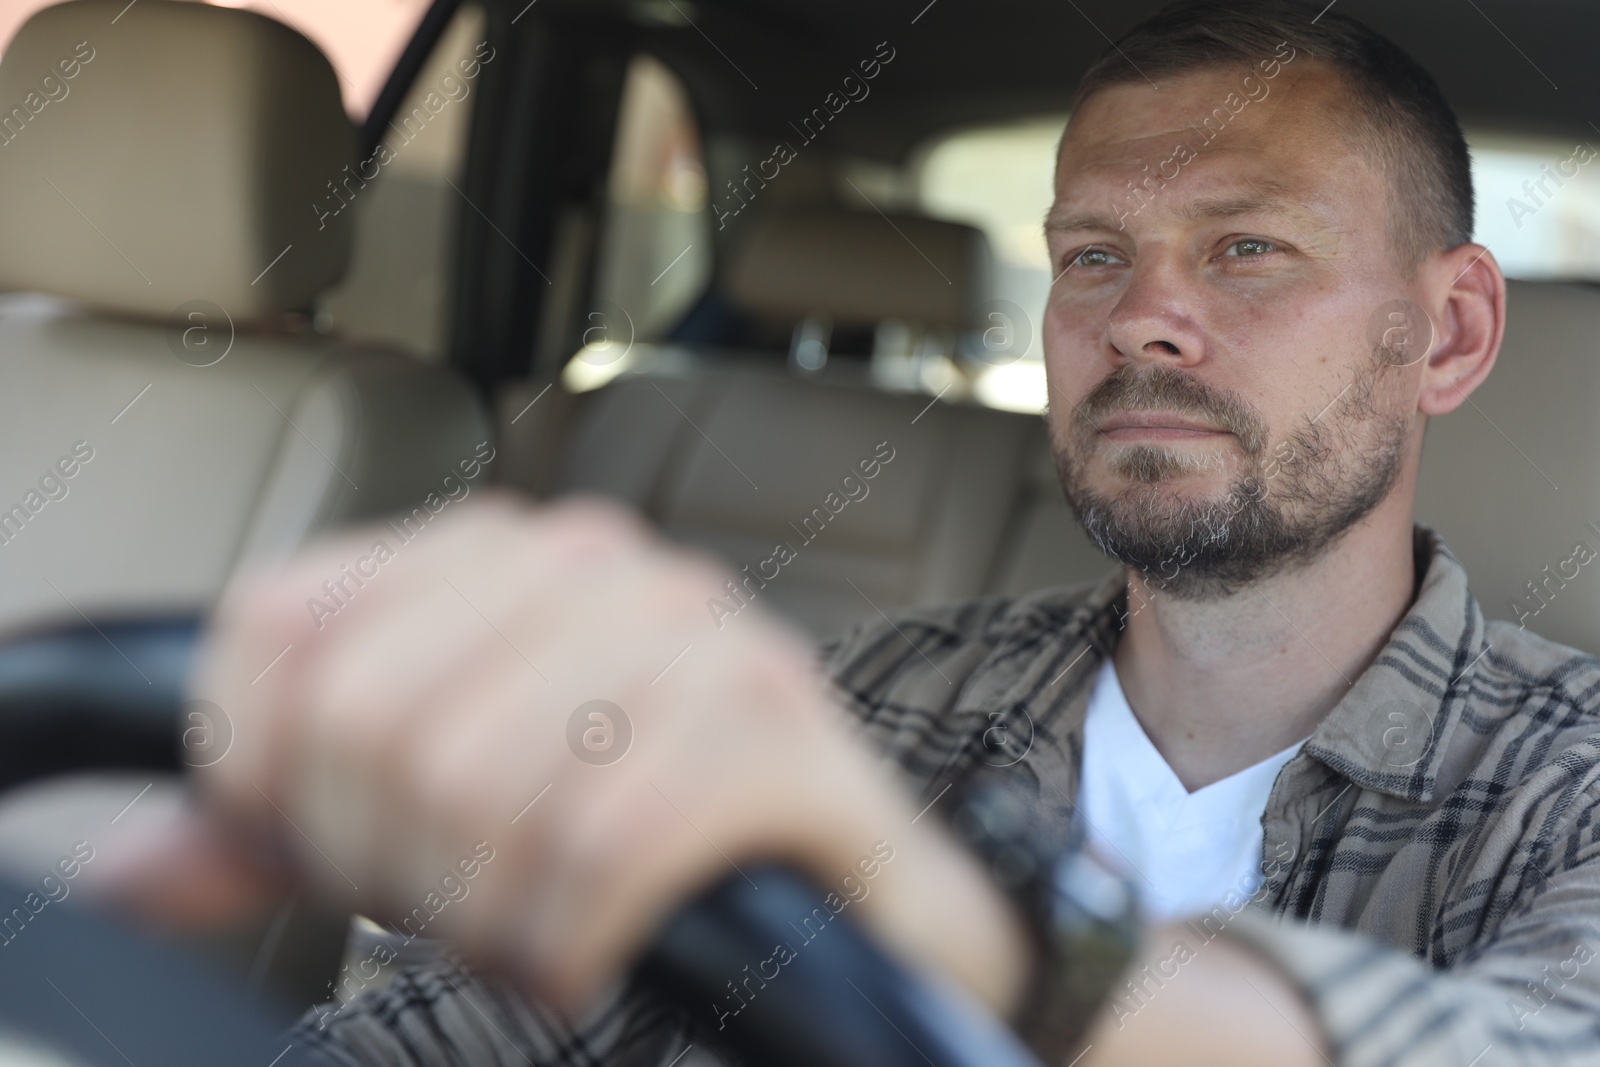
{"x":1276,"y":514}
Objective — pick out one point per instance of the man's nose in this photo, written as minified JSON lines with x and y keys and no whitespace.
{"x":1155,"y":320}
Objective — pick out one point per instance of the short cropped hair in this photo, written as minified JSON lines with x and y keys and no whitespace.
{"x":1396,"y":110}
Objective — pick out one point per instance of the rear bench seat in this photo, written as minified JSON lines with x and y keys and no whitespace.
{"x":734,"y":453}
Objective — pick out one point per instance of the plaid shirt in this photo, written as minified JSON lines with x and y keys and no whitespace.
{"x":1431,"y":854}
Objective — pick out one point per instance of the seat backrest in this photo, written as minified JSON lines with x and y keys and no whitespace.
{"x":733,"y":453}
{"x":840,"y":500}
{"x":859,"y":268}
{"x":1510,"y":479}
{"x":164,"y":416}
{"x":1045,"y":544}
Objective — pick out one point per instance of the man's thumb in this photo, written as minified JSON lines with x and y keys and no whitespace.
{"x":186,"y":871}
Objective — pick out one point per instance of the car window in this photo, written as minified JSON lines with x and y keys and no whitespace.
{"x":361,"y":38}
{"x":1538,"y":211}
{"x":1539,"y":204}
{"x":655,"y":253}
{"x":998,"y":179}
{"x":408,"y":203}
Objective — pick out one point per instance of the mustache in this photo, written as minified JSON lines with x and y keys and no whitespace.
{"x":1162,"y":388}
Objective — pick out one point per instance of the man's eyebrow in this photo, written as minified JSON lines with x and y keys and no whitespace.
{"x":1073,"y":223}
{"x":1258,"y":201}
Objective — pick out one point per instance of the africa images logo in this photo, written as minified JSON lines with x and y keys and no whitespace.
{"x":599,"y":732}
{"x":1008,"y":737}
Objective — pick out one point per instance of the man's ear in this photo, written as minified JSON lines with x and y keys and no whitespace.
{"x":1466,"y":293}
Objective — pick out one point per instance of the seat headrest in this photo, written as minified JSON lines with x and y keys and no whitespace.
{"x":859,"y":268}
{"x":174,"y":152}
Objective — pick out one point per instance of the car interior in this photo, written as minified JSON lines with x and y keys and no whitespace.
{"x":272,"y":267}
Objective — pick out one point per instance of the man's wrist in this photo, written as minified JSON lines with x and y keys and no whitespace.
{"x":1227,"y":1007}
{"x":935,"y":905}
{"x":1090,"y":934}
{"x":1082,"y":916}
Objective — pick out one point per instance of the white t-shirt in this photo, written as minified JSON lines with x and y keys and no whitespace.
{"x":1185,"y":851}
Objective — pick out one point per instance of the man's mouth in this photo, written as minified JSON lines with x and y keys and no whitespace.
{"x":1156,"y":425}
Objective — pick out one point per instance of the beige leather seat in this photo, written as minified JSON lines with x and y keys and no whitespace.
{"x":164,"y":419}
{"x":1512,"y":478}
{"x":159,"y":178}
{"x":734,"y":453}
{"x":750,"y":464}
{"x":1045,"y":545}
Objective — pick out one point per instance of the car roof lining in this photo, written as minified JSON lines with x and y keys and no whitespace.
{"x":968,"y":64}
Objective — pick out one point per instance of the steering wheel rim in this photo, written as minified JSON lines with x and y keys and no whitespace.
{"x":104,"y":696}
{"x":112,"y":695}
{"x":74,"y":984}
{"x":90,"y":990}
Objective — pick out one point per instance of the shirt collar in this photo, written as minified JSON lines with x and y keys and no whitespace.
{"x":1389,"y":731}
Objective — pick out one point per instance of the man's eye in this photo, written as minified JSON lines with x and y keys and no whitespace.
{"x":1094,"y":257}
{"x":1250,"y":246}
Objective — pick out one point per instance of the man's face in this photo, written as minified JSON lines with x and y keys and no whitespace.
{"x":1217,"y":410}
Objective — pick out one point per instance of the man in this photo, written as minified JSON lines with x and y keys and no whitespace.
{"x":1241,"y":192}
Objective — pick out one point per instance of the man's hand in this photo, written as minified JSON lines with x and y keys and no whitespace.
{"x":425,"y":708}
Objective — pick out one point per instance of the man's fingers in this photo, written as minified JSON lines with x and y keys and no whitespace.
{"x":270,"y":626}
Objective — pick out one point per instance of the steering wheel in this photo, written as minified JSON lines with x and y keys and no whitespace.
{"x":105,"y":995}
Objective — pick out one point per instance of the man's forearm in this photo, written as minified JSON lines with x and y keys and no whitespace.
{"x":1225,"y":1006}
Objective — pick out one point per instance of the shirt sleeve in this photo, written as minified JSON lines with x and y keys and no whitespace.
{"x":1528,"y":994}
{"x":441,"y":1014}
{"x":833,"y":652}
